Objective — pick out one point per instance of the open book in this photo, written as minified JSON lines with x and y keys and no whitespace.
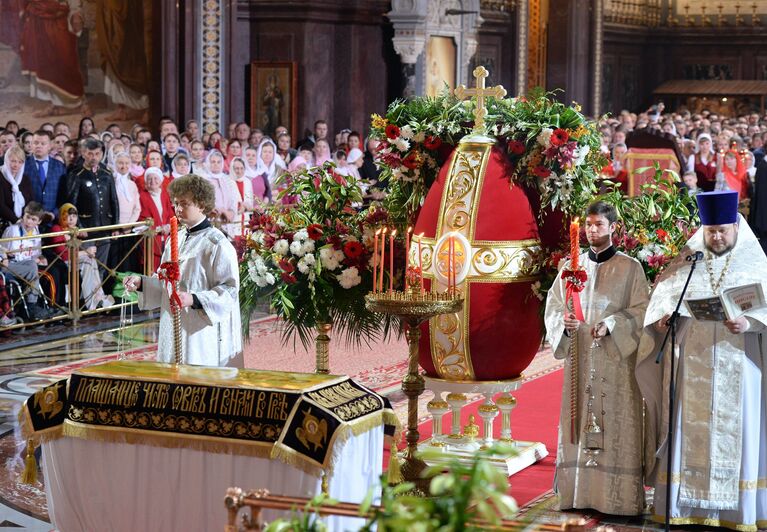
{"x":733,"y":303}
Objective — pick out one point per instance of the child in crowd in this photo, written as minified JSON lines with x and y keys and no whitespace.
{"x":22,"y":257}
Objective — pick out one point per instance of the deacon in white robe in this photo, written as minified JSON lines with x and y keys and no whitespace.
{"x":719,"y":459}
{"x":208,"y":287}
{"x":613,"y":302}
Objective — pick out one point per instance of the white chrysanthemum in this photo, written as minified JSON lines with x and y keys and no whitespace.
{"x":401,"y":144}
{"x":300,"y":235}
{"x":406,"y":132}
{"x":544,"y":137}
{"x":579,"y":154}
{"x":349,"y":278}
{"x":308,"y":246}
{"x":331,"y":258}
{"x":396,"y":174}
{"x":281,"y":247}
{"x":257,"y":237}
{"x":306,"y":262}
{"x":648,"y":251}
{"x":297,"y":248}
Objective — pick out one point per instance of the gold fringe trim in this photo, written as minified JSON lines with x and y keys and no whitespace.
{"x":292,"y":458}
{"x":743,"y":485}
{"x":167,"y":440}
{"x":705,"y":521}
{"x":28,"y":431}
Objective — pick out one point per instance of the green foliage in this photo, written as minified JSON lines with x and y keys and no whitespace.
{"x":416,"y":136}
{"x":463,"y":497}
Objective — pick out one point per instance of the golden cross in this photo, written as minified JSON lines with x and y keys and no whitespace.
{"x":461,"y":92}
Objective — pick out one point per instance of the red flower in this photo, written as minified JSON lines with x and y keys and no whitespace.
{"x":629,"y":242}
{"x":662,"y":234}
{"x":657,"y":261}
{"x":541,"y":171}
{"x":516,"y":147}
{"x":315,"y":231}
{"x":412,"y":160}
{"x":316,"y":181}
{"x":288,"y":278}
{"x":353,"y":249}
{"x":392,"y":131}
{"x":432,"y":143}
{"x":559,"y":137}
{"x":286,"y":266}
{"x":338,"y":178}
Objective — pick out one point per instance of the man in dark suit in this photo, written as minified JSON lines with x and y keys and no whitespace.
{"x":46,"y":173}
{"x":90,"y":187}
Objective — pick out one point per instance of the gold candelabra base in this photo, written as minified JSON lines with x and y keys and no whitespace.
{"x":413,"y":308}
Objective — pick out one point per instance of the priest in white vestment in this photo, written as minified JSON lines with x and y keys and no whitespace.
{"x":600,"y":470}
{"x":719,"y":463}
{"x":209,"y":284}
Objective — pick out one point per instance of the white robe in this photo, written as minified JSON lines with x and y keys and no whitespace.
{"x":719,"y":459}
{"x":616,"y":293}
{"x":210,"y":336}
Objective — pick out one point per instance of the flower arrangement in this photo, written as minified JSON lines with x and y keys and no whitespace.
{"x":311,"y":261}
{"x":553,"y":148}
{"x":654,"y":225}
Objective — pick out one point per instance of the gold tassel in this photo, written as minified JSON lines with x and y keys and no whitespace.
{"x":29,"y":476}
{"x":324,"y":484}
{"x":393,"y":473}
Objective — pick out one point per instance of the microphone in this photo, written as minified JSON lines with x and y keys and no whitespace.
{"x":694,"y":257}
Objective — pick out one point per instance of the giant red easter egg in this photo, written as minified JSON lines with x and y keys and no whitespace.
{"x":495,"y":234}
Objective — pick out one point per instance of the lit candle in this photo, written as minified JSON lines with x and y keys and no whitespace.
{"x":420,"y":261}
{"x":391,"y":260}
{"x":575,"y":249}
{"x":375,"y":260}
{"x":407,"y":253}
{"x":381,"y":272}
{"x":174,"y":239}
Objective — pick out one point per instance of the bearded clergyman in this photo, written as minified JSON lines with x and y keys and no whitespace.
{"x":599,"y":455}
{"x":719,"y":451}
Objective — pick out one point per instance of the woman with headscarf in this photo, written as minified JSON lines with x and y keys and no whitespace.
{"x":260,"y":185}
{"x":321,"y":152}
{"x":156,"y":205}
{"x":90,"y":278}
{"x":227,"y":196}
{"x":180,"y":166}
{"x":703,"y":162}
{"x":244,"y":185}
{"x":15,"y":188}
{"x":121,"y":255}
{"x":154,"y":159}
{"x":269,"y":163}
{"x":136,"y":152}
{"x":733,"y":175}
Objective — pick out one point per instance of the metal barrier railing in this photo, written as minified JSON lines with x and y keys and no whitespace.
{"x":78,"y":240}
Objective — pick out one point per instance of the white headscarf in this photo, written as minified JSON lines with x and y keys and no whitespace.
{"x":271,"y":169}
{"x":153,"y":170}
{"x":112,"y":156}
{"x":354,"y":154}
{"x":15,"y":181}
{"x":250,"y":171}
{"x":173,"y":171}
{"x":120,"y":179}
{"x":209,"y":174}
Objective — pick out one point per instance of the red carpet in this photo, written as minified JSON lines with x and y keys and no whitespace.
{"x":536,"y":418}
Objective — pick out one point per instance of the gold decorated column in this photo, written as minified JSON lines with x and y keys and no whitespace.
{"x":522,"y":48}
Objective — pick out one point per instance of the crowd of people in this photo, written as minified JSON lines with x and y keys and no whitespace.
{"x":55,"y":179}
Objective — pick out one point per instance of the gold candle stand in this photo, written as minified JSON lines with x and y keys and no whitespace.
{"x":413,"y":308}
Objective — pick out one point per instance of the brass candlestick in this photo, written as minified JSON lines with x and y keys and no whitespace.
{"x":178,"y":354}
{"x":413,"y":308}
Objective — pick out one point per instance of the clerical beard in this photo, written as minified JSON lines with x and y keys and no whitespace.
{"x":722,"y":249}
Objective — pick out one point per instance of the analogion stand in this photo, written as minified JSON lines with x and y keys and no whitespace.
{"x":450,"y":396}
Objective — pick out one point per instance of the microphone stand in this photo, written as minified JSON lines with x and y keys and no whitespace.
{"x":671,"y":332}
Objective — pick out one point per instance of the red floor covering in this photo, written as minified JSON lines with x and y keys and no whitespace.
{"x":535,"y":418}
